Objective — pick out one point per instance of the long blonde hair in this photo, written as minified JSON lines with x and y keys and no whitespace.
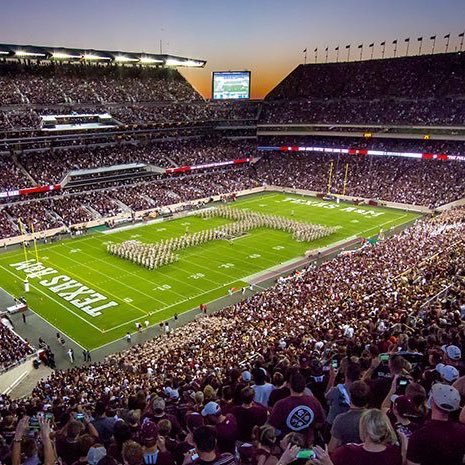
{"x":375,"y":425}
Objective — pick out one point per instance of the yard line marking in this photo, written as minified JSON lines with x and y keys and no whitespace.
{"x":105,"y":291}
{"x":176,"y":303}
{"x":387,"y":222}
{"x":52,"y":298}
{"x":174,"y":265}
{"x":56,"y":329}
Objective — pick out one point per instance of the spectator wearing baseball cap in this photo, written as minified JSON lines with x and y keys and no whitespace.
{"x":404,"y":411}
{"x":158,"y":413}
{"x":225,"y":426}
{"x":154,"y":448}
{"x":453,"y":356}
{"x":441,"y":440}
{"x":448,"y":373}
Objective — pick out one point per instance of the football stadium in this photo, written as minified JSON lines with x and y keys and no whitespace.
{"x":201,"y":274}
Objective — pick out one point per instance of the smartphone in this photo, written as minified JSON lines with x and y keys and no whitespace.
{"x":384,"y":357}
{"x":34,"y":424}
{"x":306,"y":454}
{"x":402,"y":382}
{"x":334,"y":363}
{"x":79,"y":416}
{"x":49,"y":416}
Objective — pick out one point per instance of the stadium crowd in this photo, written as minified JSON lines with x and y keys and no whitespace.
{"x":51,"y":84}
{"x":340,"y":358}
{"x":12,"y":347}
{"x":395,"y":179}
{"x":410,"y":90}
{"x":429,"y":183}
{"x":48,"y":167}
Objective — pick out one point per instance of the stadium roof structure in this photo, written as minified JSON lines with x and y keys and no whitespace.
{"x":35,"y":52}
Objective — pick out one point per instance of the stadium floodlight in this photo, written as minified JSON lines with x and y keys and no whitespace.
{"x":23,"y":53}
{"x":124,"y":59}
{"x":189,"y":63}
{"x":149,"y":60}
{"x":90,"y":56}
{"x":64,"y":56}
{"x":2,"y":52}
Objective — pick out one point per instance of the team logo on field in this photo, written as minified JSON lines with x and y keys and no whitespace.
{"x":300,"y":417}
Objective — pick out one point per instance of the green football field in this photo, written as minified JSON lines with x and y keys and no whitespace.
{"x":95,"y":298}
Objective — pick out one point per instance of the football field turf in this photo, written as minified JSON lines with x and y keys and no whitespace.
{"x":120,"y":293}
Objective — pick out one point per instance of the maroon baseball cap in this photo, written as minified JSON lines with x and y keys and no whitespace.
{"x":149,"y":430}
{"x":405,"y":407}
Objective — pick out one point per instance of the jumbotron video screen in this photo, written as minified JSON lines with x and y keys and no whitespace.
{"x":228,"y":85}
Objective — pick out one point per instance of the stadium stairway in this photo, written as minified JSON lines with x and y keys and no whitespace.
{"x":23,"y":170}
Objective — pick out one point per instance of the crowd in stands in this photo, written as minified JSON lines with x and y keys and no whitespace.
{"x":34,"y":216}
{"x":12,"y":178}
{"x":59,"y":211}
{"x":12,"y":347}
{"x":51,"y":84}
{"x":395,"y":179}
{"x":421,"y":90}
{"x":432,"y":112}
{"x":428,"y":183}
{"x":51,"y":166}
{"x":354,"y":359}
{"x":417,"y":77}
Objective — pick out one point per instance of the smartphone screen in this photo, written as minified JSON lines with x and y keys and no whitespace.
{"x":306,"y":454}
{"x":34,"y":424}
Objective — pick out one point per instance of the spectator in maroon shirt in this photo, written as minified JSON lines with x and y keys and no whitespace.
{"x":378,"y":447}
{"x":440,"y":440}
{"x":225,"y":426}
{"x":298,"y":412}
{"x":248,"y":415}
{"x":206,"y":449}
{"x":154,"y":446}
{"x":280,"y":390}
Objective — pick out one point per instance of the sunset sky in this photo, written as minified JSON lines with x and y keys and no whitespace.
{"x":264,"y":36}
